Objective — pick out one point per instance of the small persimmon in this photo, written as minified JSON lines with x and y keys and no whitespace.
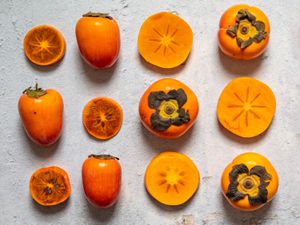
{"x":168,"y":108}
{"x":172,"y":178}
{"x":249,"y":181}
{"x":244,"y":32}
{"x":165,"y":40}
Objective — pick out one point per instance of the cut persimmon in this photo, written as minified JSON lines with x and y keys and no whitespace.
{"x":50,"y":186}
{"x":246,"y":107}
{"x":102,"y":117}
{"x":165,"y":40}
{"x":172,"y":178}
{"x":44,"y":45}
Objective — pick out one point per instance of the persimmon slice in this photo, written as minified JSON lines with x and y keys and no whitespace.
{"x":165,"y":40}
{"x":246,"y":107}
{"x":172,"y":178}
{"x":102,"y":117}
{"x":50,"y":186}
{"x":44,"y":45}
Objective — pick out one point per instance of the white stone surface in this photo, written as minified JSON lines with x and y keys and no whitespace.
{"x":207,"y":71}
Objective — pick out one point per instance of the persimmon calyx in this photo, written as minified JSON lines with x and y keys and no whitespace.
{"x":35,"y":93}
{"x":103,"y":156}
{"x":247,"y":29}
{"x":93,"y":14}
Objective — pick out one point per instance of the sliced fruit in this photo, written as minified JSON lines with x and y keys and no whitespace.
{"x":102,"y":117}
{"x":44,"y":45}
{"x":165,"y":40}
{"x":50,"y":186}
{"x":172,"y":178}
{"x":246,"y":107}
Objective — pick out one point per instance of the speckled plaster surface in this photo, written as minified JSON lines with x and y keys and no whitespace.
{"x":207,"y":71}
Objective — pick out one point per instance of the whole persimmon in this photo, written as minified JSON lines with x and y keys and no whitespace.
{"x":168,"y":108}
{"x":41,"y":112}
{"x":98,"y":39}
{"x":244,"y":32}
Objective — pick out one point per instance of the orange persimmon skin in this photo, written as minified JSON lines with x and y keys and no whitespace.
{"x":250,"y":159}
{"x":192,"y":105}
{"x":98,"y":39}
{"x":42,"y":117}
{"x":229,"y":46}
{"x":101,"y":180}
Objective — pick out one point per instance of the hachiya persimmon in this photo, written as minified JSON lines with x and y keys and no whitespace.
{"x":101,"y":178}
{"x":249,"y":182}
{"x":246,"y":107}
{"x":50,"y":186}
{"x":244,"y":32}
{"x":41,"y":112}
{"x":165,"y":40}
{"x":44,"y":45}
{"x":102,"y":117}
{"x":172,"y":178}
{"x":168,"y":108}
{"x":98,"y":39}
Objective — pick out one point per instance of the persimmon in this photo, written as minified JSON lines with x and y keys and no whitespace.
{"x":41,"y":112}
{"x":98,"y":39}
{"x":165,"y":40}
{"x":246,"y":107}
{"x":172,"y":178}
{"x":44,"y":45}
{"x":168,"y":108}
{"x":244,"y":32}
{"x":50,"y":186}
{"x":249,"y":181}
{"x":102,"y":117}
{"x":101,"y":179}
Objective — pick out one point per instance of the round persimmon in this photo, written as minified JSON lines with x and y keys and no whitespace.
{"x":50,"y":186}
{"x":172,"y":178}
{"x":244,"y":32}
{"x":168,"y":108}
{"x":98,"y":39}
{"x":44,"y":45}
{"x":102,"y":117}
{"x":165,"y":40}
{"x":249,"y":181}
{"x":246,"y":107}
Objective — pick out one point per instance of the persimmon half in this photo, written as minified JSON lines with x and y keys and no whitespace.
{"x":168,"y":108}
{"x":102,"y":117}
{"x":172,"y":178}
{"x":244,"y":32}
{"x":246,"y":107}
{"x":249,"y":181}
{"x":165,"y":40}
{"x":50,"y":186}
{"x":44,"y":45}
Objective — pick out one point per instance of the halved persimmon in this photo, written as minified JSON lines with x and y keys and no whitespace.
{"x":102,"y":117}
{"x":50,"y":186}
{"x":165,"y":40}
{"x":172,"y":178}
{"x":44,"y":45}
{"x":246,"y":107}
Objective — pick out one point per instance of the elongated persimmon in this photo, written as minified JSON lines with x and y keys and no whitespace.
{"x":165,"y":40}
{"x":246,"y":107}
{"x":44,"y":45}
{"x":102,"y":117}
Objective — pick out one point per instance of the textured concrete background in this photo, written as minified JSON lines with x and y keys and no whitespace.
{"x":207,"y":71}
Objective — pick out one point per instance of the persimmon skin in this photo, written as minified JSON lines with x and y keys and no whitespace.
{"x":101,"y":180}
{"x":42,"y":117}
{"x":167,"y":84}
{"x":98,"y":39}
{"x":228,"y":44}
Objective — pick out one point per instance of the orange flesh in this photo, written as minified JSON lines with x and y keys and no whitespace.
{"x":102,"y":118}
{"x":44,"y":45}
{"x":246,"y":107}
{"x":165,"y":40}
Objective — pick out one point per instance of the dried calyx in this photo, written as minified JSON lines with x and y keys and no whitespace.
{"x":35,"y":93}
{"x":103,"y":156}
{"x":247,"y":29}
{"x":93,"y":14}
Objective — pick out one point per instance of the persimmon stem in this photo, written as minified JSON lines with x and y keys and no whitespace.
{"x":103,"y":156}
{"x":35,"y":93}
{"x":93,"y":14}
